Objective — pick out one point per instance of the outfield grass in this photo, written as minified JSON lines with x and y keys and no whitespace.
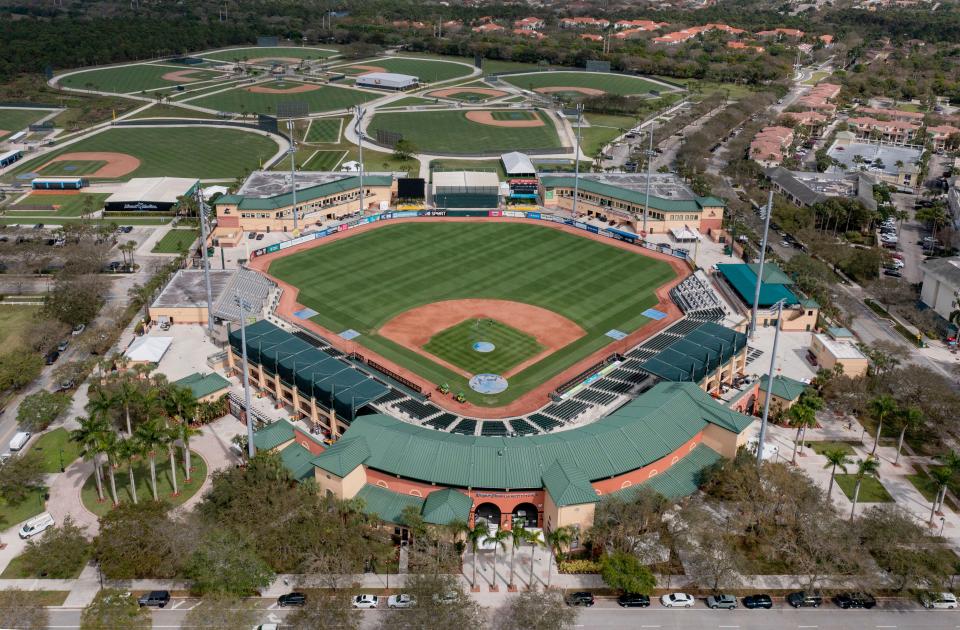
{"x":455,"y":345}
{"x":325,"y":130}
{"x":175,"y":151}
{"x":324,"y":161}
{"x":141,"y":475}
{"x":175,"y":241}
{"x":240,"y":54}
{"x":17,"y":119}
{"x":49,"y":446}
{"x":871,"y":490}
{"x":451,"y":132}
{"x":136,"y":78}
{"x":59,"y":206}
{"x":620,"y":84}
{"x":324,"y":99}
{"x":431,"y":262}
{"x":14,"y":322}
{"x":427,"y":70}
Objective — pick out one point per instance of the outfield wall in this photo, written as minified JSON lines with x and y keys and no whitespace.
{"x":616,"y":234}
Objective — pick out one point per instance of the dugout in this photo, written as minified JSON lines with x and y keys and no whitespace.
{"x":466,"y":189}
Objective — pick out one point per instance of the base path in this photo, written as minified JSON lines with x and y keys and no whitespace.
{"x":582,"y":90}
{"x":299,"y":89}
{"x":117,"y":164}
{"x":485,"y":117}
{"x":466,"y":90}
{"x":181,"y":76}
{"x":414,"y":328}
{"x":526,"y":403}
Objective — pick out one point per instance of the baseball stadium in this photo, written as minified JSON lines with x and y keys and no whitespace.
{"x":497,"y":366}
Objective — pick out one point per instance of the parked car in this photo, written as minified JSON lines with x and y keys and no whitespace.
{"x":580,"y":598}
{"x":401,"y":601}
{"x":728,"y":602}
{"x":760,"y":600}
{"x":292,"y":599}
{"x":633,"y":600}
{"x":35,"y":525}
{"x":855,"y":600}
{"x":154,"y":598}
{"x":365,"y":601}
{"x":19,"y":440}
{"x":802,"y":599}
{"x":677,"y":600}
{"x":939,"y":600}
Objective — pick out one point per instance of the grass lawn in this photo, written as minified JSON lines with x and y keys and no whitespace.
{"x":821,"y":447}
{"x":14,"y":322}
{"x":17,"y":119}
{"x":324,"y":161}
{"x":241,"y":54}
{"x":175,"y":151}
{"x":175,"y":241}
{"x":427,"y":70}
{"x":871,"y":490}
{"x":525,"y":263}
{"x":455,"y":345}
{"x":141,"y":473}
{"x":324,"y":99}
{"x":619,"y":84}
{"x":469,"y":165}
{"x":324,"y":130}
{"x":447,"y":131}
{"x":11,"y":515}
{"x":50,"y":444}
{"x":135,"y":78}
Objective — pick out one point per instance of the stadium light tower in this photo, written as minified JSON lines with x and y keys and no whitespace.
{"x":293,"y":171}
{"x":360,"y":113}
{"x":576,"y":160}
{"x":202,"y":210}
{"x":763,"y":252}
{"x":773,"y":368}
{"x":242,"y":307}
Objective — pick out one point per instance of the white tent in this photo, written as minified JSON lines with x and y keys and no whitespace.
{"x":148,"y":349}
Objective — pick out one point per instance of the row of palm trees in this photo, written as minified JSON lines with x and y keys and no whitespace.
{"x":555,"y":540}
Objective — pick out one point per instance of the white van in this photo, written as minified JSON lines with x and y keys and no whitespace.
{"x":19,"y":440}
{"x":36,"y":525}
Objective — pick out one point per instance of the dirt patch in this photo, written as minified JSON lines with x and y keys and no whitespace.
{"x":299,"y":89}
{"x":486,"y":118}
{"x":368,"y":69}
{"x":273,"y":59}
{"x":535,"y":398}
{"x":181,"y":76}
{"x":467,"y":90}
{"x":582,"y":90}
{"x":414,"y":328}
{"x":117,"y":164}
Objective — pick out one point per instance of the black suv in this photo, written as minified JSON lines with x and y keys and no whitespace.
{"x":580,"y":599}
{"x":292,"y":599}
{"x":154,"y":598}
{"x":633,"y":600}
{"x":802,"y":599}
{"x":761,"y":600}
{"x":855,"y":600}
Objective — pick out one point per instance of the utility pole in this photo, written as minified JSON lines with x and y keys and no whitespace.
{"x":202,"y":211}
{"x":773,"y":368}
{"x":293,"y":172}
{"x":646,"y":201}
{"x":576,"y":160}
{"x":360,"y":113}
{"x":242,"y":307}
{"x":763,"y":252}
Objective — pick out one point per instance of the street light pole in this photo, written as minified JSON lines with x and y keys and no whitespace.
{"x":773,"y":367}
{"x":576,"y":160}
{"x":242,"y":306}
{"x":763,"y":254}
{"x":293,"y":170}
{"x":204,"y":234}
{"x":360,"y":112}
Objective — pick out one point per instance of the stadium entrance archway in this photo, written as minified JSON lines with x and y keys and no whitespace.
{"x":487,"y":512}
{"x":526,"y":514}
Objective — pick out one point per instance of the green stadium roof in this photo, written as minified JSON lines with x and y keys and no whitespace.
{"x":743,"y":279}
{"x":632,"y":196}
{"x":445,"y":506}
{"x":349,"y":182}
{"x":273,"y":435}
{"x":680,"y":480}
{"x":567,"y":485}
{"x":203,"y":384}
{"x":784,"y":387}
{"x":697,"y":354}
{"x":639,"y":433}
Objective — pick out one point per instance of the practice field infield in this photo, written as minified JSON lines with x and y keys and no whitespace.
{"x":136,"y":78}
{"x":587,"y":83}
{"x":264,"y":97}
{"x":454,"y":132}
{"x":543,"y":286}
{"x":427,"y":70}
{"x":279,"y":53}
{"x":202,"y":152}
{"x":13,"y":119}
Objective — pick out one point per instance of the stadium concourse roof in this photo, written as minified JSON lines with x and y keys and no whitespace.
{"x":331,"y":381}
{"x":667,"y":192}
{"x":697,"y":354}
{"x":639,"y":433}
{"x":743,"y":278}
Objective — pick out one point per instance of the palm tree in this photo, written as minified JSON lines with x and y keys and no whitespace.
{"x":477,"y":533}
{"x":88,"y":436}
{"x":909,"y":418}
{"x":838,"y":458}
{"x":518,"y":535}
{"x":110,"y":445}
{"x":184,"y":433}
{"x":942,"y":475}
{"x":801,"y":416}
{"x":129,"y":450}
{"x":150,"y":435}
{"x":533,"y":537}
{"x":880,"y":408}
{"x":868,"y":467}
{"x":499,"y":540}
{"x":556,"y":540}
